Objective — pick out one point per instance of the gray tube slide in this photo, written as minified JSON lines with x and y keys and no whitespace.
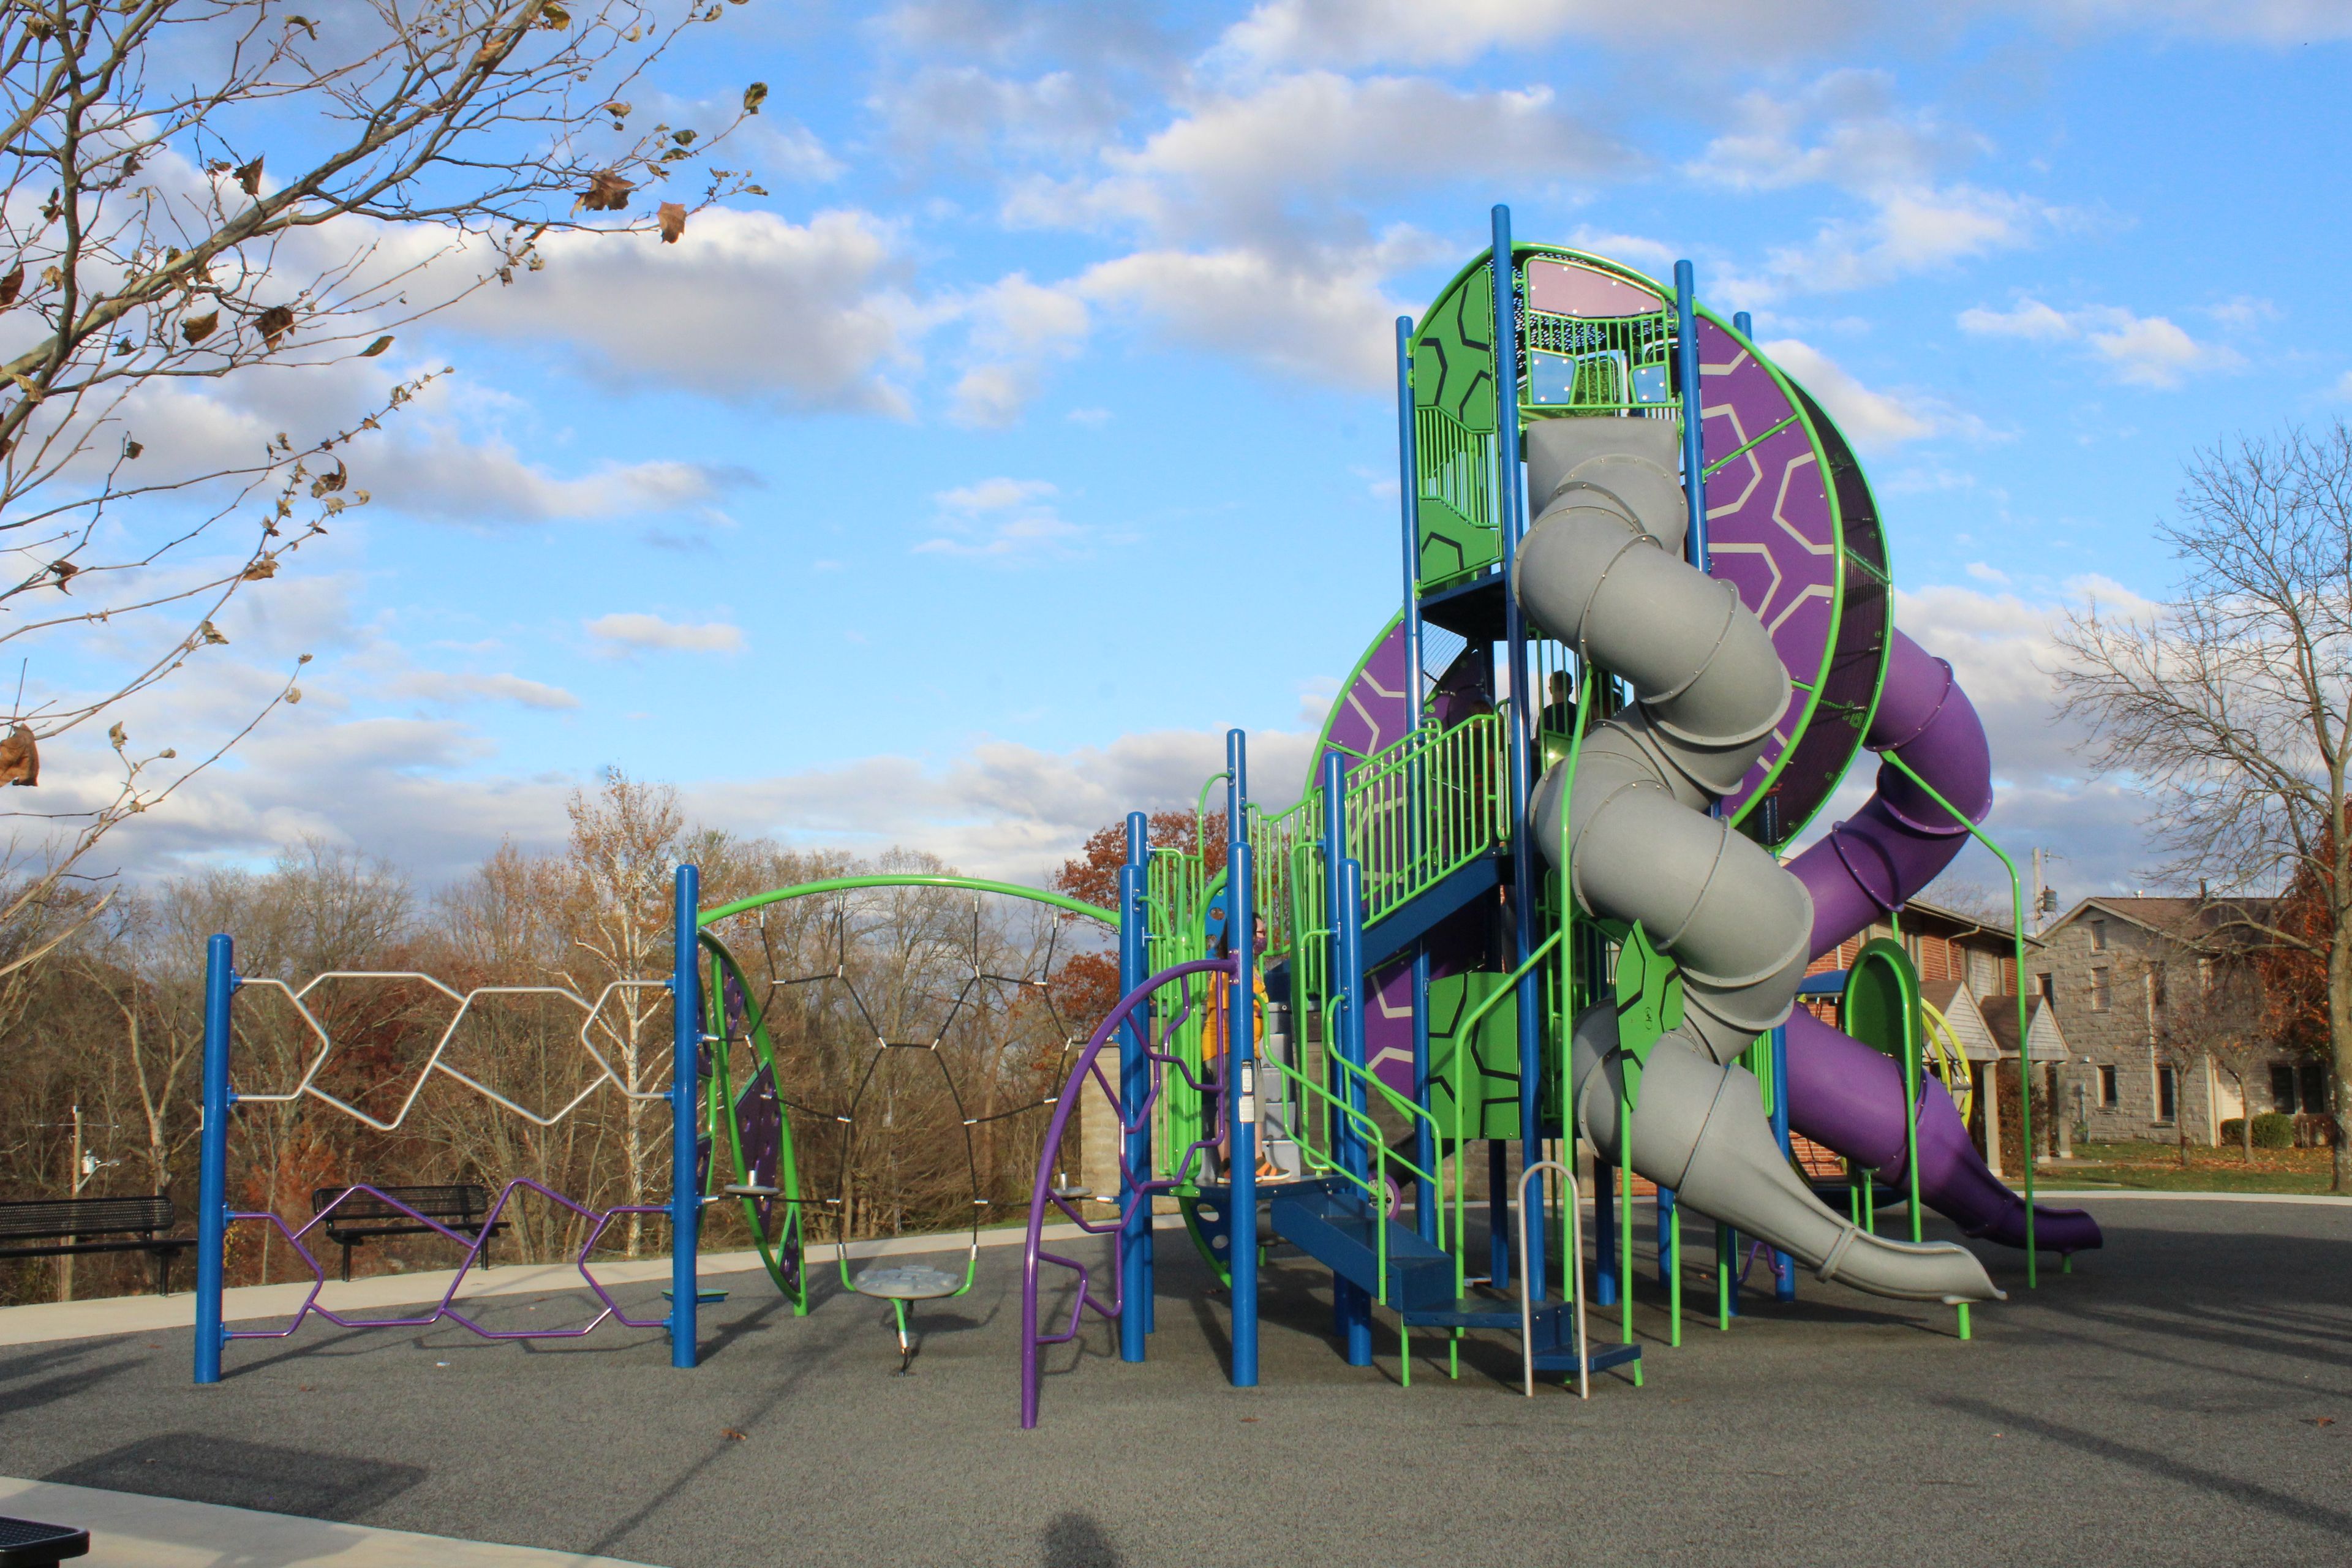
{"x":1601,"y":570}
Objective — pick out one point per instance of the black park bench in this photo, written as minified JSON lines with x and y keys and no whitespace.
{"x":54,"y":1228}
{"x":28,"y":1543}
{"x":362,"y":1217}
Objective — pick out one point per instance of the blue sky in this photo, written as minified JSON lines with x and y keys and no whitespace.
{"x":1036,"y":428}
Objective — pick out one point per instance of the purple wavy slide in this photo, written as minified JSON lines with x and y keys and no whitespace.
{"x":1843,"y":1093}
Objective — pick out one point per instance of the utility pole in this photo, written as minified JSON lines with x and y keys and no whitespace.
{"x":2045,"y":898}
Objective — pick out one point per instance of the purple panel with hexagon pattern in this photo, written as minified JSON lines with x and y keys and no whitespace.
{"x":1770,"y":528}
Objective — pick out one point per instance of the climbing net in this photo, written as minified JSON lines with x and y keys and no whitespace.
{"x":606,"y":1023}
{"x":903,"y":1040}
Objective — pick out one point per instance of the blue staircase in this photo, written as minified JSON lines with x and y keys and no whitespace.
{"x":1334,"y":1223}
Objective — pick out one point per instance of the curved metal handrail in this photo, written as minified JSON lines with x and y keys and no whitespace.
{"x":1573,"y":1203}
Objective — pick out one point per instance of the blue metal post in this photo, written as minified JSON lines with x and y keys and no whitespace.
{"x":1409,"y":494}
{"x":212,"y":1175}
{"x":1134,"y":1090}
{"x":1355,"y":1302}
{"x":1667,"y":1261}
{"x":1686,"y":371}
{"x":1498,"y":1208}
{"x":1784,"y":1268}
{"x":1604,"y":1233}
{"x":1424,"y":1139}
{"x":1522,"y":737}
{"x":686,"y":1095}
{"x":1240,"y":1104}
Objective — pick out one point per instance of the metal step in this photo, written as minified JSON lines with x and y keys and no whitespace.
{"x":1332,"y":1223}
{"x":1550,"y":1318}
{"x":1603,"y":1357}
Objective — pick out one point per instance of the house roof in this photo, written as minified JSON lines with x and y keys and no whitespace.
{"x":2001,"y":1018}
{"x":2192,"y":922}
{"x":1969,"y":924}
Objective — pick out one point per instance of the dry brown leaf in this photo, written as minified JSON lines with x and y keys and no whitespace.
{"x":554,"y":16}
{"x":376,"y":347}
{"x":20,"y":759}
{"x":606,"y":192}
{"x":293,"y":695}
{"x":249,"y":178}
{"x":672,"y":217}
{"x":263,"y":568}
{"x":754,"y":96}
{"x":327,"y":483}
{"x":274,"y":323}
{"x":734,"y":1434}
{"x":12,"y":285}
{"x":196,"y":328}
{"x":132,"y":449}
{"x":211,"y":635}
{"x":66,"y":571}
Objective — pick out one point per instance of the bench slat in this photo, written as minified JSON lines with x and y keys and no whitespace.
{"x":31,"y":1219}
{"x":463,"y":1201}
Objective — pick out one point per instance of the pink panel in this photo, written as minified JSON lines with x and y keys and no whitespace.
{"x":1563,"y":289}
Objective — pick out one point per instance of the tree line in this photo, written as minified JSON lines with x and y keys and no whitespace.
{"x":104,"y":1038}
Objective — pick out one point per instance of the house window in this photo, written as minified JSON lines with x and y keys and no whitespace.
{"x":2107,"y":1086}
{"x":2315,"y":1086}
{"x":2156,"y":985}
{"x":2098,"y":936}
{"x":2283,"y":1086}
{"x":2046,"y":987}
{"x":2100,"y":996}
{"x":2167,"y":1094}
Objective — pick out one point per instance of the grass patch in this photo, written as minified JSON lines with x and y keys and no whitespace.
{"x":2156,"y":1167}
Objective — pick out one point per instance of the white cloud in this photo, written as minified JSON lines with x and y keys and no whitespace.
{"x":1018,"y":330}
{"x":2030,"y":319}
{"x":1912,"y":230}
{"x":1000,"y":519}
{"x":635,"y":632}
{"x":1321,"y":316}
{"x":440,"y":685}
{"x":1284,"y":161}
{"x":2344,"y":385}
{"x":2280,"y":22}
{"x":1984,"y":571}
{"x":970,"y":113}
{"x":1000,"y":809}
{"x":1363,"y":32}
{"x":747,"y":305}
{"x":1843,"y":130}
{"x":444,"y":476}
{"x":1871,"y":419}
{"x":2139,"y":351}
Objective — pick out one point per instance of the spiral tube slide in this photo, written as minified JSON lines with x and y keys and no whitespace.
{"x":1601,"y":570}
{"x":1841,"y":1094}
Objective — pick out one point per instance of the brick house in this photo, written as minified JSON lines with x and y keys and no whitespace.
{"x":1968,"y":971}
{"x":2126,"y":977}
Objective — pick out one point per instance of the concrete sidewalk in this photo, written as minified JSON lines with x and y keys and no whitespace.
{"x":46,"y":1322}
{"x":127,"y":1530}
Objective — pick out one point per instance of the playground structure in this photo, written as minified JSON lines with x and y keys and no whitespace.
{"x":1531,"y":894}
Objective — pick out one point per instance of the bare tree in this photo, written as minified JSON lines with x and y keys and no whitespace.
{"x":2231,"y":705}
{"x":2213,"y":1018}
{"x":197,"y":196}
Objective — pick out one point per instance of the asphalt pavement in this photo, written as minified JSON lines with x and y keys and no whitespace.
{"x":2183,"y":1397}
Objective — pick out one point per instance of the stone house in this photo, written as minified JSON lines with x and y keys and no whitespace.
{"x":2160,"y":1008}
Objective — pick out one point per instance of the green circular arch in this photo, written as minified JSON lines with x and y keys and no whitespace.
{"x":850,"y":884}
